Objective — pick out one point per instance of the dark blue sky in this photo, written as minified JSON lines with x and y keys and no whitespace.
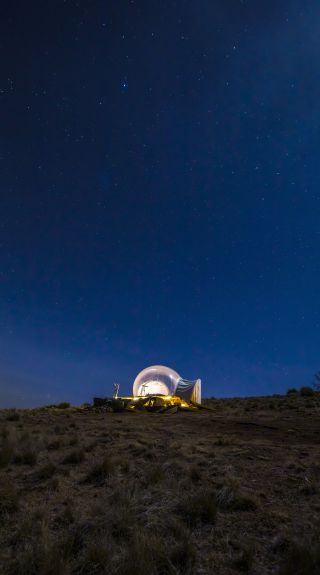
{"x":160,"y":195}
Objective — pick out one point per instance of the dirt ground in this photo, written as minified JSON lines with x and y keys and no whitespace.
{"x":235,"y":489}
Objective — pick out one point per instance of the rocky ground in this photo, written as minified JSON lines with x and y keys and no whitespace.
{"x":235,"y":489}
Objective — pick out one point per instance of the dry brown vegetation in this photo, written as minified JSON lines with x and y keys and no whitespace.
{"x":232,"y":490}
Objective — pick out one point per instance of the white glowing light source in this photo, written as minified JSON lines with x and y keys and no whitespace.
{"x":156,"y":380}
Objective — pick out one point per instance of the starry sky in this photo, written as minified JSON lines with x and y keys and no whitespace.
{"x":159,"y":195}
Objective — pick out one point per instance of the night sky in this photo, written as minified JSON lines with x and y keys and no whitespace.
{"x":159,"y":195}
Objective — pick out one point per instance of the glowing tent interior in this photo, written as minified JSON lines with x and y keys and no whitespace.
{"x":162,"y":380}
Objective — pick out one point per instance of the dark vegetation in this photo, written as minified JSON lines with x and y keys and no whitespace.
{"x":231,"y":490}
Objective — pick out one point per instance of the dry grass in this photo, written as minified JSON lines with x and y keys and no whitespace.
{"x":235,"y":489}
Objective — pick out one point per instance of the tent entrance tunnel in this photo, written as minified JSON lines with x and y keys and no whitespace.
{"x":162,"y":380}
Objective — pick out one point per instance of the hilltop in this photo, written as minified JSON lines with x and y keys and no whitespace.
{"x":231,"y":490}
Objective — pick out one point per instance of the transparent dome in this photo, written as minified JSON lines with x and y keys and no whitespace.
{"x":156,"y":380}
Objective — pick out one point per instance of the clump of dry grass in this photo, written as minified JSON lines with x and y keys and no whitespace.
{"x":46,"y":471}
{"x":9,"y":497}
{"x":27,"y":456}
{"x":59,"y":429}
{"x":68,"y":515}
{"x":195,"y":473}
{"x":244,"y":559}
{"x":147,"y":553}
{"x":6,"y":452}
{"x":301,"y":559}
{"x":74,"y":457}
{"x":42,"y":556}
{"x":230,"y":497}
{"x":55,"y":444}
{"x":309,"y":486}
{"x":13,"y":416}
{"x":183,"y":556}
{"x":199,"y":507}
{"x":98,"y":556}
{"x":123,"y":520}
{"x":74,"y":440}
{"x":154,"y":474}
{"x":102,"y":470}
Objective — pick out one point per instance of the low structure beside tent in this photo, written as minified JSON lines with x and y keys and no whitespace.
{"x":156,"y":388}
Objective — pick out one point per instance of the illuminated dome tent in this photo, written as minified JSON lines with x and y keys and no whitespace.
{"x":162,"y":380}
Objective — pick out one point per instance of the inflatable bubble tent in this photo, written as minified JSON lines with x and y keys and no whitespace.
{"x":162,"y":380}
{"x":156,"y":380}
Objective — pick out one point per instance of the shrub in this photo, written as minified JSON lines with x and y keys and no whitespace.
{"x":63,"y":405}
{"x":13,"y":416}
{"x":292,"y":391}
{"x":306,"y":391}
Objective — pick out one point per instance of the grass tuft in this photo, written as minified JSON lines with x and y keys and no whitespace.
{"x":74,"y":457}
{"x":9,"y":498}
{"x":301,"y":560}
{"x":199,"y":507}
{"x":6,"y":453}
{"x":101,"y":471}
{"x":230,"y":497}
{"x":26,"y":457}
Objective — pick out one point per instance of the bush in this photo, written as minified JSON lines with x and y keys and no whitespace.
{"x":292,"y":391}
{"x":13,"y":416}
{"x":62,"y":405}
{"x":306,"y":391}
